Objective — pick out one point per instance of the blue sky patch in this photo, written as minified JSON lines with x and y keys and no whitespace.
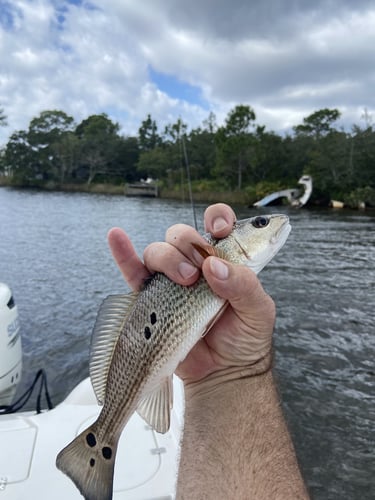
{"x":8,"y":13}
{"x":177,"y":89}
{"x":85,"y":4}
{"x":74,"y":2}
{"x":63,"y":8}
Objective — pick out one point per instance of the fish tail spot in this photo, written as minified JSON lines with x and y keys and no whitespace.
{"x":107,"y":452}
{"x":89,"y":464}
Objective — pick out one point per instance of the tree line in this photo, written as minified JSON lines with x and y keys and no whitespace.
{"x":240,"y":155}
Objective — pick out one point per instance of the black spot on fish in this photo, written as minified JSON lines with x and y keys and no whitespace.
{"x":107,"y":452}
{"x":153,"y":318}
{"x":92,"y":462}
{"x":91,"y":440}
{"x":147,"y":332}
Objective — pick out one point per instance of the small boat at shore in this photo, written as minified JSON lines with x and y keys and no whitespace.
{"x":146,"y":464}
{"x":142,"y":188}
{"x":294,"y":197}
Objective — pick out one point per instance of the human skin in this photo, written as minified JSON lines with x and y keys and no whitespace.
{"x":235,"y":444}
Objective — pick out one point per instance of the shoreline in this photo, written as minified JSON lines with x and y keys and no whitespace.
{"x":229,"y":197}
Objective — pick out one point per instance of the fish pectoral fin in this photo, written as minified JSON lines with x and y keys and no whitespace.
{"x":214,"y":319}
{"x":156,"y":408}
{"x":109,"y":323}
{"x":208,"y":250}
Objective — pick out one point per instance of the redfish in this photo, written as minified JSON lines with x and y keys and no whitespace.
{"x":138,"y":341}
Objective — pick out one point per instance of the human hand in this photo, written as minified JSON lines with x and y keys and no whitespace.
{"x":239,"y":343}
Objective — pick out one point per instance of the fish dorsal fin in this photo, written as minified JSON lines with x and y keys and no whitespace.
{"x":109,"y":323}
{"x":209,"y":250}
{"x":156,"y":408}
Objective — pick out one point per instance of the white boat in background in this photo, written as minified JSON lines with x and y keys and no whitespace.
{"x":293,"y":196}
{"x":306,"y":181}
{"x":146,"y":462}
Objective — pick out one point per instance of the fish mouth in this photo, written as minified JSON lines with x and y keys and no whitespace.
{"x":280,"y":237}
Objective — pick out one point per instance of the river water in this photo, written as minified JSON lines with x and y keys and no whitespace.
{"x":54,"y":255}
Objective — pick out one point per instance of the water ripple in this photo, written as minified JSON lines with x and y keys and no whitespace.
{"x":54,"y":255}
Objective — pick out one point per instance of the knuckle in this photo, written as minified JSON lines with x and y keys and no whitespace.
{"x":174,"y":233}
{"x":152,"y":252}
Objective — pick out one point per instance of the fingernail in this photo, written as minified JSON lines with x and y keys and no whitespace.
{"x":186,"y":270}
{"x":219,"y":269}
{"x":219,"y":224}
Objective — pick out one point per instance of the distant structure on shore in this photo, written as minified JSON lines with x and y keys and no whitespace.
{"x":295,"y":197}
{"x":147,"y":188}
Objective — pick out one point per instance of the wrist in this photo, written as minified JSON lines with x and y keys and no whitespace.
{"x":229,"y":374}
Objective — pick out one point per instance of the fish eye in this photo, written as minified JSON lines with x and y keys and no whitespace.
{"x":260,"y":221}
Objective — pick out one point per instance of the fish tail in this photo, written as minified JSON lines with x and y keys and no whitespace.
{"x":89,"y":464}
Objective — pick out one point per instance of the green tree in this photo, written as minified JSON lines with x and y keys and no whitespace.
{"x":202,"y":150}
{"x":156,"y":163}
{"x":66,"y":152}
{"x":174,"y":135}
{"x":166,"y":160}
{"x":362,"y":156}
{"x":98,"y":137}
{"x":148,"y":136}
{"x":210,"y":123}
{"x":236,"y":143}
{"x":49,"y":126}
{"x":325,"y":151}
{"x":329,"y":165}
{"x":318,"y":123}
{"x":297,"y":155}
{"x":3,"y":118}
{"x":123,"y":164}
{"x":48,"y":133}
{"x":20,"y":160}
{"x":269,"y":162}
{"x":173,"y":132}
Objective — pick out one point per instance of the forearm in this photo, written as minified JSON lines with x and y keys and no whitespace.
{"x":236,"y":443}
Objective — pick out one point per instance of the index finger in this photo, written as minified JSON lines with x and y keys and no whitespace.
{"x":126,"y":258}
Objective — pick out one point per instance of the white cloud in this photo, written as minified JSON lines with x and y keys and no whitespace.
{"x":284,"y":60}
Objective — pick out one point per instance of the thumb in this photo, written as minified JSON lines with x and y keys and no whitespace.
{"x":241,"y":287}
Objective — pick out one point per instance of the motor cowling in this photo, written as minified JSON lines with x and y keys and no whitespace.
{"x":10,"y":346}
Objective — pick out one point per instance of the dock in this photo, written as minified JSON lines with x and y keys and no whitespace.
{"x":144,"y":189}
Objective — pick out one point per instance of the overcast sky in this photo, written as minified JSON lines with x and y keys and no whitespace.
{"x":178,"y":58}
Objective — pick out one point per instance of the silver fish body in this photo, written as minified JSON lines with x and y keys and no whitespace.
{"x":138,"y":341}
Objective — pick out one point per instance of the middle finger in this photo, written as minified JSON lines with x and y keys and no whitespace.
{"x":182,"y":237}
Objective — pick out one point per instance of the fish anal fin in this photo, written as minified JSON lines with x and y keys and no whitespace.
{"x":109,"y":323}
{"x":155,"y":408}
{"x":209,"y":251}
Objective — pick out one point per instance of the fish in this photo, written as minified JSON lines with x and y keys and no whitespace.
{"x":138,"y":341}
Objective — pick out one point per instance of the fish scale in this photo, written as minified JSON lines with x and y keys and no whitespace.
{"x":139,"y":340}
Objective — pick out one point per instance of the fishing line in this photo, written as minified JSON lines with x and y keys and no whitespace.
{"x":189,"y":182}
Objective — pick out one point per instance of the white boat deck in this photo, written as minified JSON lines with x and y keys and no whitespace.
{"x":146,"y":462}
